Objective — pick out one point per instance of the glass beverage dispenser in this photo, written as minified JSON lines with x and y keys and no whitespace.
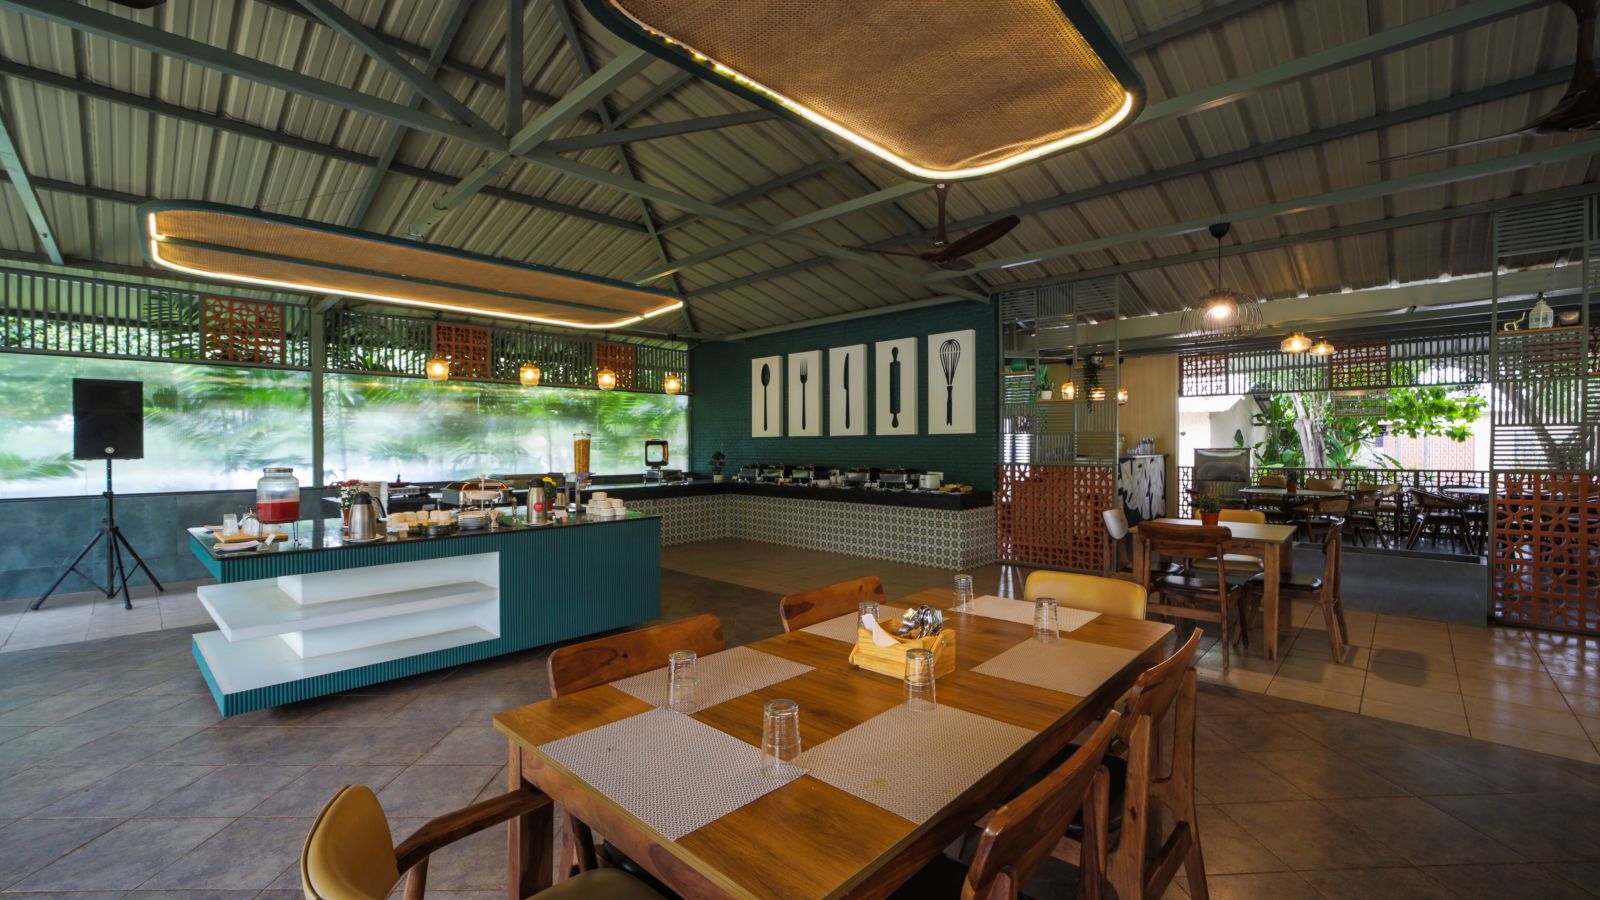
{"x":278,"y":498}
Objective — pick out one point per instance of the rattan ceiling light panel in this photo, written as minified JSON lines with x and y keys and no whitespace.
{"x":250,"y":247}
{"x":941,"y":90}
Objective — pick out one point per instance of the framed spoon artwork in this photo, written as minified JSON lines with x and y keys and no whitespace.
{"x":766,"y":397}
{"x":847,"y":390}
{"x":805,"y":393}
{"x":952,"y":399}
{"x":895,"y":370}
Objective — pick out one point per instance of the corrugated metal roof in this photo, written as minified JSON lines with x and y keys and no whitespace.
{"x":102,"y":145}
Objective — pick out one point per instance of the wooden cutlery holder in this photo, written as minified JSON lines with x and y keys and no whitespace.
{"x":891,"y":661}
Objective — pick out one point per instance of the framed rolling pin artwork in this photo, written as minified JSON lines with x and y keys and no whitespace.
{"x":805,"y":394}
{"x":952,"y":385}
{"x":847,"y":390}
{"x":895,"y":386}
{"x":766,"y":397}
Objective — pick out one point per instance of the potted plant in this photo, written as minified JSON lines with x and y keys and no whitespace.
{"x":718,"y":459}
{"x":1208,"y":507}
{"x":1044,"y":383}
{"x":1291,"y":483}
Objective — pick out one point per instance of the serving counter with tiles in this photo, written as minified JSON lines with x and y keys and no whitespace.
{"x":947,"y":530}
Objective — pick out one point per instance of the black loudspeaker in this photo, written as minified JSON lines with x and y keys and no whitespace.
{"x":107,"y":419}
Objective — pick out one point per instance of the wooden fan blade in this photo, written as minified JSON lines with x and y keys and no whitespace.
{"x":1417,"y":154}
{"x":959,"y":264}
{"x":977,"y":239}
{"x":919,"y":255}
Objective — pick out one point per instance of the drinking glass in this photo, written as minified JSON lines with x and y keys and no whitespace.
{"x":1046,"y":621}
{"x":780,"y":739}
{"x":919,"y":680}
{"x":963,"y":591}
{"x":683,"y":675}
{"x":867,"y":608}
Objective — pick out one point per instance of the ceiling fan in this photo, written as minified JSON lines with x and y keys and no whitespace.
{"x":1578,"y":109}
{"x":948,"y":254}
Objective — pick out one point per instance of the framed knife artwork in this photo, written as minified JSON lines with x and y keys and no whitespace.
{"x":805,"y":394}
{"x":766,"y":397}
{"x":894,"y":366}
{"x":847,"y":390}
{"x":952,"y":400}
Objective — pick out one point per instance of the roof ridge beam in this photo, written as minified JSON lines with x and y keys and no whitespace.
{"x":653,"y":132}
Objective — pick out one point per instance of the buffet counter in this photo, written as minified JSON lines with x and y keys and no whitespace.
{"x":301,"y":622}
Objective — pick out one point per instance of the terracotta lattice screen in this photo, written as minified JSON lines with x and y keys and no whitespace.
{"x":246,"y":331}
{"x":1050,"y":515}
{"x":468,"y":347}
{"x":1546,"y":556}
{"x":619,"y":358}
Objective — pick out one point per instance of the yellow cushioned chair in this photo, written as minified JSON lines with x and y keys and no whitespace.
{"x":1108,"y":596}
{"x":350,"y":854}
{"x":1239,"y":562}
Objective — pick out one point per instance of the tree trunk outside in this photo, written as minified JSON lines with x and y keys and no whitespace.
{"x":1310,"y":428}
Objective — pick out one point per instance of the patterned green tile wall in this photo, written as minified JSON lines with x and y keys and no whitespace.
{"x":719,"y":416}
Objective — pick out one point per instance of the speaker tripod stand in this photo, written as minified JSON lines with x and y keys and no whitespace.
{"x":116,"y":565}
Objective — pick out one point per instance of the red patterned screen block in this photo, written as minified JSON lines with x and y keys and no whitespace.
{"x":248,"y":331}
{"x":1363,"y":365}
{"x":619,"y":358}
{"x":1545,"y":558}
{"x":468,"y":348}
{"x":1050,"y":515}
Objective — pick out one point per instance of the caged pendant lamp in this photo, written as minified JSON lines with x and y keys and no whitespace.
{"x":1221,"y":313}
{"x":940,"y":91}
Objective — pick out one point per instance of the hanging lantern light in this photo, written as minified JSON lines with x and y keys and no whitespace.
{"x":1221,"y":313}
{"x":1122,"y":396}
{"x":1096,"y":394}
{"x":1322,"y":348}
{"x":1069,"y":391}
{"x":529,"y":375}
{"x":1295,"y":343}
{"x":673,"y":384}
{"x":438,"y":369}
{"x":605,"y":379}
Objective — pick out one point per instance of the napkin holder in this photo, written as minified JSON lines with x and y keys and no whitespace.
{"x":891,"y":661}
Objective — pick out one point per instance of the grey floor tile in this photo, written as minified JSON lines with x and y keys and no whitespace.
{"x":1307,"y":835}
{"x":125,"y":711}
{"x":227,"y":791}
{"x":1326,"y":773}
{"x":125,"y":793}
{"x":467,"y":745}
{"x":136,"y":743}
{"x":1421,"y":832}
{"x":40,"y":786}
{"x":1230,"y":777}
{"x":31,"y":844}
{"x":246,"y":855}
{"x":1379,"y":884}
{"x":1260,"y":886}
{"x":306,"y":795}
{"x":1541,"y":827}
{"x":1503,"y":882}
{"x":429,"y":791}
{"x":399,"y":745}
{"x":123,"y":857}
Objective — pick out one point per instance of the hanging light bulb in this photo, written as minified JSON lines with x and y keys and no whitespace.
{"x":1096,"y":394}
{"x":673,"y":384}
{"x":1295,"y":343}
{"x":1221,"y":313}
{"x":1069,"y":391}
{"x":1122,"y":396}
{"x":1322,"y":348}
{"x":529,"y":375}
{"x":605,"y":379}
{"x":1221,"y":307}
{"x":438,"y":369}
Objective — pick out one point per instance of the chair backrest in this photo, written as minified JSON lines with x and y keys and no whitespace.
{"x":1021,"y":834}
{"x":349,"y":851}
{"x":1252,"y":516}
{"x":606,"y":659}
{"x":1432,"y":500}
{"x":1325,"y":484}
{"x":1332,"y":545}
{"x":1271,"y":481}
{"x":1185,"y":541}
{"x":821,"y":604}
{"x":1116,"y":523}
{"x":1108,"y":596}
{"x":1159,"y":685}
{"x":1364,"y":500}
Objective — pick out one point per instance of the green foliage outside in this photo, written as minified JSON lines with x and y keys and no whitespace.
{"x":1302,"y":431}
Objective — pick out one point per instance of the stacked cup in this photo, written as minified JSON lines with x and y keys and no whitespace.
{"x":683,"y":676}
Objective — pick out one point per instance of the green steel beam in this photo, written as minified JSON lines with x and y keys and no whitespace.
{"x":756,"y":192}
{"x":421,"y":83}
{"x":652,"y":132}
{"x":1584,"y":147}
{"x":656,"y":94}
{"x":1197,"y":22}
{"x":165,"y":43}
{"x":589,"y":92}
{"x":515,"y":22}
{"x":11,"y":163}
{"x":936,"y":300}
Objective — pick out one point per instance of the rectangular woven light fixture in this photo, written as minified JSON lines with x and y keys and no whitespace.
{"x":940,"y":89}
{"x":249,"y":247}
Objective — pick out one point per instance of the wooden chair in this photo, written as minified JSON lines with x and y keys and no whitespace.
{"x":1435,"y":512}
{"x":1108,"y":596}
{"x":1324,"y":484}
{"x":1141,"y":864}
{"x":1119,"y":555}
{"x":1242,"y":563}
{"x":1198,"y":584}
{"x":1363,"y":516}
{"x":1021,"y":835}
{"x":1324,"y":590}
{"x":1390,"y":502}
{"x":601,"y":661}
{"x":1271,"y":481}
{"x":350,"y":854}
{"x":807,"y":608}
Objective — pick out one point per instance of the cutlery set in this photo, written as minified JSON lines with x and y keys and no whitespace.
{"x":895,"y":383}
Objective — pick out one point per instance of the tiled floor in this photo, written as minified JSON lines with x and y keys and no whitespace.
{"x":120,"y":780}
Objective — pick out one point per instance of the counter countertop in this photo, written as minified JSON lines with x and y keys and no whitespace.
{"x":651,"y":490}
{"x":328,"y":534}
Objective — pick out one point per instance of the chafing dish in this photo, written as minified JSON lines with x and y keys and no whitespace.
{"x":896,"y":479}
{"x":771,"y":474}
{"x":860,"y":477}
{"x":749,"y":474}
{"x":478,"y":492}
{"x":807,"y":474}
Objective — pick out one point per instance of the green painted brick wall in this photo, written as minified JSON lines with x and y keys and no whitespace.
{"x":719,"y":415}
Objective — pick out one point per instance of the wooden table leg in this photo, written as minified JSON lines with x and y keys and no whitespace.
{"x":1141,"y":561}
{"x":1272,"y":558}
{"x":531,"y":841}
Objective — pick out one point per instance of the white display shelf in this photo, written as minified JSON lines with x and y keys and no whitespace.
{"x":262,"y":662}
{"x":254,"y":609}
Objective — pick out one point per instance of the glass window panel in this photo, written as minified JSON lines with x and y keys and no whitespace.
{"x":379,"y":427}
{"x":206,"y":427}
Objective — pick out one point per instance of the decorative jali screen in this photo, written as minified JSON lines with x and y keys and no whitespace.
{"x":1058,"y":467}
{"x":1544,"y":555}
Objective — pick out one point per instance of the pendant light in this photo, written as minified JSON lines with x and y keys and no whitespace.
{"x":605,"y":379}
{"x":1220,"y":313}
{"x":1295,"y":343}
{"x":1096,"y":394}
{"x":1069,"y":391}
{"x":438,"y":369}
{"x":673,"y":384}
{"x":1122,"y":396}
{"x":530,"y":375}
{"x":1321,"y":348}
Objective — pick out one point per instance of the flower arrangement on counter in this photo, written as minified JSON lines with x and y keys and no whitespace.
{"x":347,"y":491}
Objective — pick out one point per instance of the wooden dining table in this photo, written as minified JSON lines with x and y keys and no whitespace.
{"x":809,"y":839}
{"x":1273,"y":544}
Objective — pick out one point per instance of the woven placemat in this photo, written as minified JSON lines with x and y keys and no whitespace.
{"x":1021,"y":611}
{"x":672,"y":772}
{"x":1071,"y":667}
{"x":914,"y":763}
{"x":723,"y":676}
{"x":843,"y":628}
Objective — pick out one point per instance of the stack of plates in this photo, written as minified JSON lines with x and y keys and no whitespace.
{"x":471,"y":521}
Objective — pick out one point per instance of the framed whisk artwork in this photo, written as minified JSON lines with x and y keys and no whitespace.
{"x":952,"y":393}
